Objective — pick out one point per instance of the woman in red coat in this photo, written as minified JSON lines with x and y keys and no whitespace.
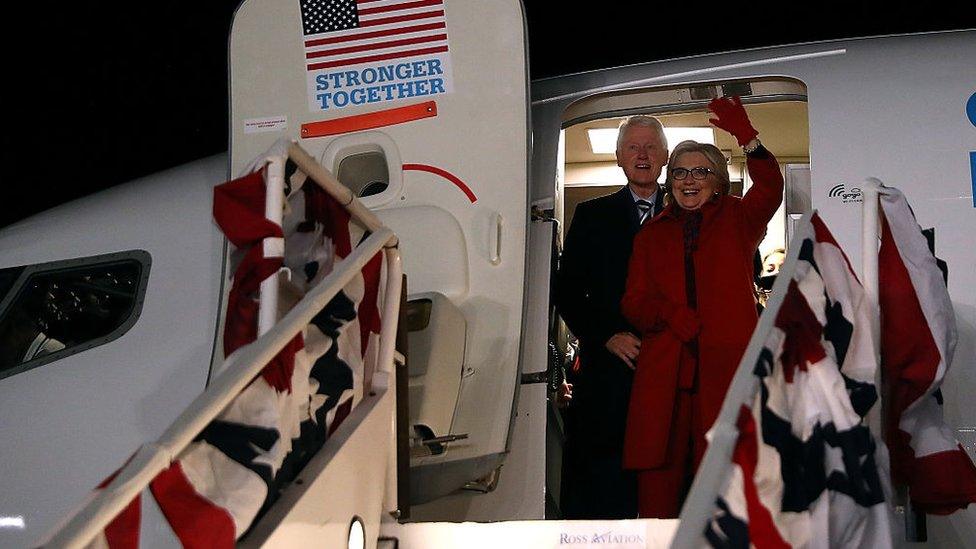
{"x":690,"y":293}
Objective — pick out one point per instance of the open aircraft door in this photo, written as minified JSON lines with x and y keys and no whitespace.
{"x":420,"y":107}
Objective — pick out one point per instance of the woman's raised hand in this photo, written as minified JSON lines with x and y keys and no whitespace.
{"x":732,"y":117}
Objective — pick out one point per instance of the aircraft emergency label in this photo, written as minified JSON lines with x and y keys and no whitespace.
{"x":266,"y":124}
{"x":374,"y":52}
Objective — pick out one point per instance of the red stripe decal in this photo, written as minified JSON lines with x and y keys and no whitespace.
{"x":379,"y":57}
{"x":194,"y":519}
{"x":446,"y":175}
{"x":402,"y":18}
{"x":374,"y":34}
{"x":371,"y":120}
{"x":376,"y":46}
{"x":398,"y":7}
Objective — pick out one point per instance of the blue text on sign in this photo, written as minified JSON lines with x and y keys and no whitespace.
{"x":375,"y":84}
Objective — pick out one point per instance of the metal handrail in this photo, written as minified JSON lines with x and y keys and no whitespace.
{"x":337,"y":190}
{"x":243,"y":365}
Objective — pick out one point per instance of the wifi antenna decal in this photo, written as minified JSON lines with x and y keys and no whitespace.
{"x":846,"y":195}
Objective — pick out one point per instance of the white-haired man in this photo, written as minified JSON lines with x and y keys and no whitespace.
{"x":588,"y":289}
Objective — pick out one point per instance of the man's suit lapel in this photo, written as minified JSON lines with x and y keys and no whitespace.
{"x":658,"y":201}
{"x":625,"y":204}
{"x":626,"y":207}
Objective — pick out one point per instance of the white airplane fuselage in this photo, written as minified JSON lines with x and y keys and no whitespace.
{"x":894,"y":108}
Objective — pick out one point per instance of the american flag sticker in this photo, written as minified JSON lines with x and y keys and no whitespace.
{"x":363,"y":52}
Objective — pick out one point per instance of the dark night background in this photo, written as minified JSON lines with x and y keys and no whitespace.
{"x":97,"y":94}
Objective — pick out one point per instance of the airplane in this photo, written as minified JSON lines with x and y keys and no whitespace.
{"x":448,"y":144}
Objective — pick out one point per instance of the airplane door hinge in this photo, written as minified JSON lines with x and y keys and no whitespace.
{"x":540,"y":215}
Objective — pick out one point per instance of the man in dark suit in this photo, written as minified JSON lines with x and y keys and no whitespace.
{"x":589,"y":285}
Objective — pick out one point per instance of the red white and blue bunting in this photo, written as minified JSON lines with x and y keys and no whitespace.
{"x":807,"y":471}
{"x":237,"y":466}
{"x":918,"y":340}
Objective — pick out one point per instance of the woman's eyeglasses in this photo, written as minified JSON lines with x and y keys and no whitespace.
{"x":698,"y":173}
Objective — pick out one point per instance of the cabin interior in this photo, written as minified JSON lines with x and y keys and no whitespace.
{"x":588,"y":169}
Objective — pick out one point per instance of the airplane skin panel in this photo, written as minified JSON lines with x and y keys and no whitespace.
{"x":70,"y":423}
{"x":435,"y":251}
{"x":462,"y":219}
{"x":894,"y":108}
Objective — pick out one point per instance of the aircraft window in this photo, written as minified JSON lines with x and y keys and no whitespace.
{"x":366,"y":174}
{"x":54,"y":310}
{"x":369,"y":164}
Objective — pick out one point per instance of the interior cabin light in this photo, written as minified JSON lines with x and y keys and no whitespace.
{"x":15,"y":523}
{"x":604,"y":140}
{"x":357,"y":534}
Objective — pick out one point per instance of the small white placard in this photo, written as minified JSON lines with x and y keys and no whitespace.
{"x":267,"y":124}
{"x":622,"y":534}
{"x":536,"y":534}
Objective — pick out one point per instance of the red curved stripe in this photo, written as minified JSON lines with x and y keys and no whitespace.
{"x":446,"y":175}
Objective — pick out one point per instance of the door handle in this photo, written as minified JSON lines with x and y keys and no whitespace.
{"x":495,"y":239}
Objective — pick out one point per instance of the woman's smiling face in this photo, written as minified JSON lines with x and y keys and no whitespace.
{"x":691,"y":193}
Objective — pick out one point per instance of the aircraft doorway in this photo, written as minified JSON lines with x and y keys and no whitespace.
{"x":587,"y":168}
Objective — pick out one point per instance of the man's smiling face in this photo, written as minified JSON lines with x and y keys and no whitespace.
{"x":641,"y":155}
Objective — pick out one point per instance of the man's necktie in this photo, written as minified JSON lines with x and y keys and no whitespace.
{"x":643,"y":209}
